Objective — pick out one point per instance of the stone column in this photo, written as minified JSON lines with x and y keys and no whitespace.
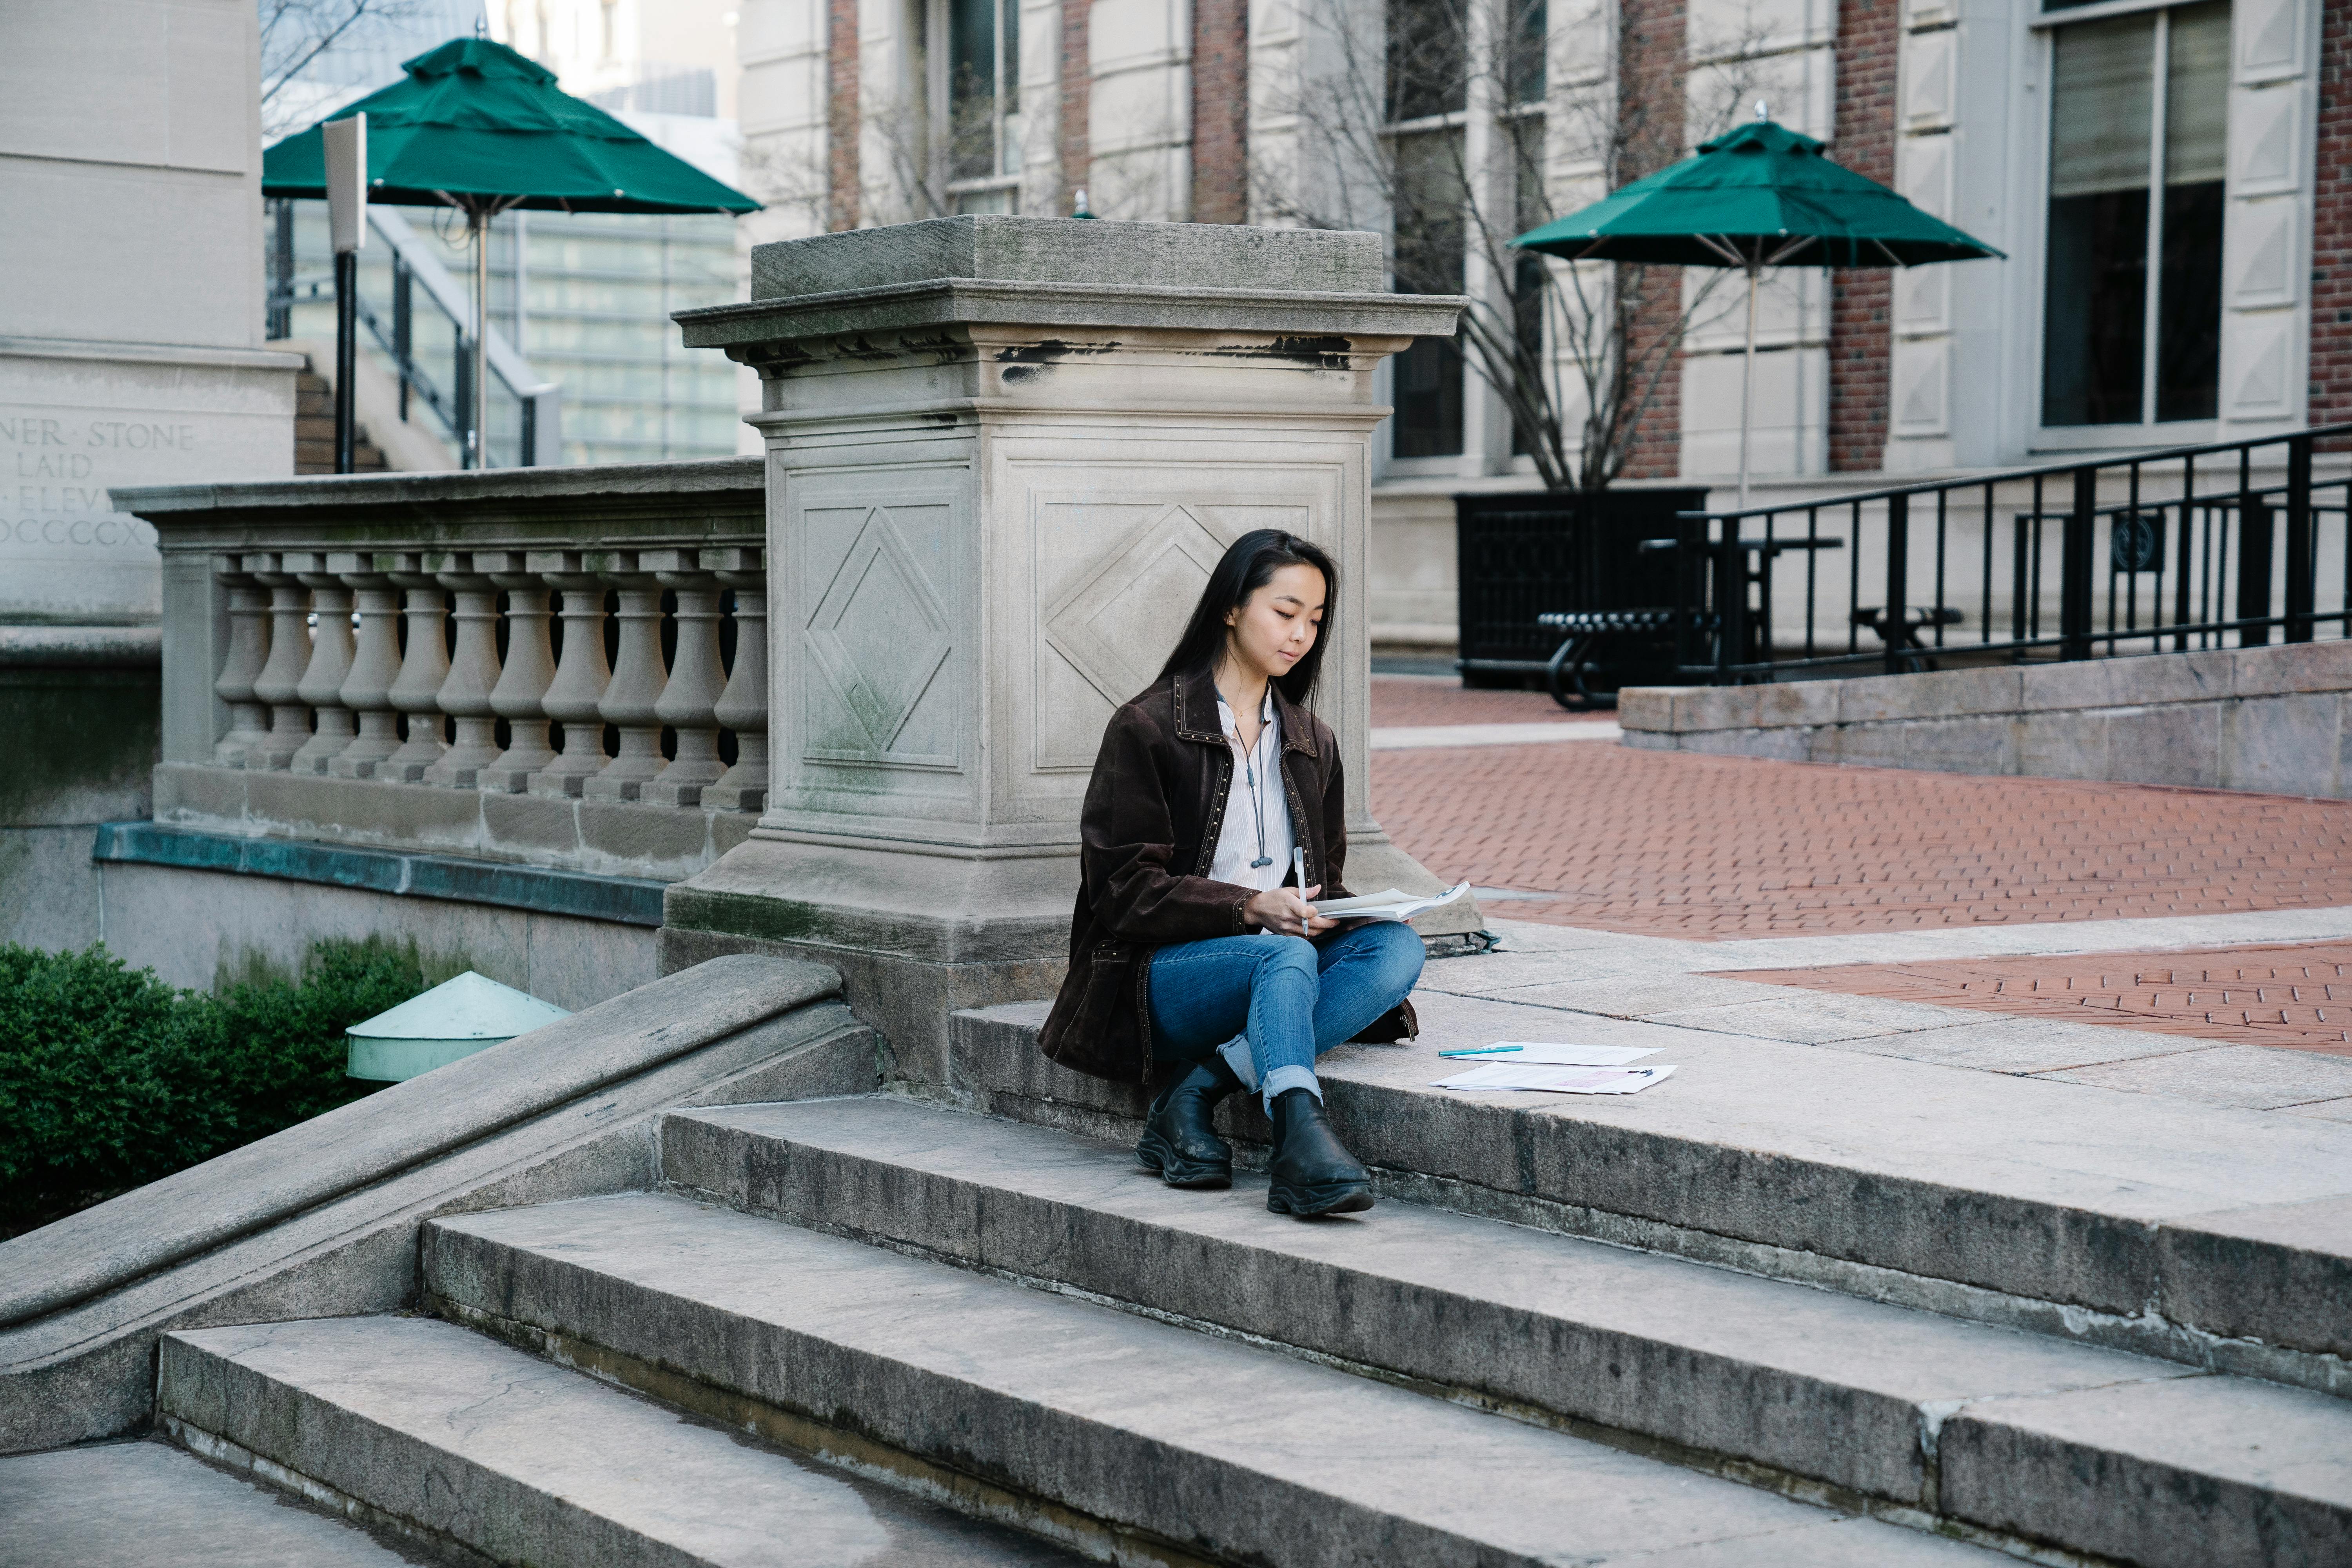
{"x":635,"y":691}
{"x":248,"y":651}
{"x":530,"y":668}
{"x":464,"y":695}
{"x":574,"y":698}
{"x":423,"y":668}
{"x":1003,"y":456}
{"x":330,"y":662}
{"x":289,"y":655}
{"x":743,"y":707}
{"x":367,"y":690}
{"x":696,"y":681}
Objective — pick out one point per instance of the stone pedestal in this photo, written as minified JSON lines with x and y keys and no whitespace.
{"x":1003,"y":456}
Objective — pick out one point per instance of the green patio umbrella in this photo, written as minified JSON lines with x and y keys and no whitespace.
{"x":476,"y":126}
{"x":1761,"y":195}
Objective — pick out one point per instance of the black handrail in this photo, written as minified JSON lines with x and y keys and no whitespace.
{"x":2224,"y":571}
{"x":452,"y":408}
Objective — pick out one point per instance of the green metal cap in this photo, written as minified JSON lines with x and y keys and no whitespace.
{"x":455,"y":1019}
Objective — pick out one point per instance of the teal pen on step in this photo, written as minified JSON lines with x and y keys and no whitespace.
{"x":1481,"y":1051}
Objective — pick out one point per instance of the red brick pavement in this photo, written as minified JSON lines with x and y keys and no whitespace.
{"x":1409,"y":700}
{"x":2296,"y":997}
{"x":1670,"y":844}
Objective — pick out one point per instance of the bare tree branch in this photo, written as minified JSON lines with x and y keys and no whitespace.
{"x":1386,"y":119}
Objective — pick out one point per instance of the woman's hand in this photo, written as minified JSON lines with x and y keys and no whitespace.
{"x":1283,"y":911}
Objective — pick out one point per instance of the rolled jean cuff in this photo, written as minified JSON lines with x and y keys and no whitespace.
{"x":1283,"y":1079}
{"x":1236,"y":1052}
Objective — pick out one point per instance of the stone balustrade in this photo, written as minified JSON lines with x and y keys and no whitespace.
{"x":439,"y":662}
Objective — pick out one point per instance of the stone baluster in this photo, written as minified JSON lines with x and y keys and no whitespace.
{"x":367,"y":690}
{"x":464,"y":695}
{"x":422,"y":670}
{"x":280,"y":679}
{"x":743,"y":707}
{"x":330,"y":662}
{"x":573,"y":697}
{"x":248,"y":651}
{"x":696,"y":680}
{"x":631,"y":699}
{"x":523,"y":682}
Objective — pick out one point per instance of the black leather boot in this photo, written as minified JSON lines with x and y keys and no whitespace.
{"x":1312,"y":1171}
{"x":1180,"y":1140}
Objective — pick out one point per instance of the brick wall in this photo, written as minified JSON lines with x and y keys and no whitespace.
{"x":841,"y":117}
{"x":2331,"y":227}
{"x":1650,"y":112}
{"x":1220,"y":111}
{"x":1077,"y":85}
{"x":1861,"y":299}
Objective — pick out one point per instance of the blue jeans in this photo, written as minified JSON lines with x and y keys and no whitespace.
{"x":1289,"y":997}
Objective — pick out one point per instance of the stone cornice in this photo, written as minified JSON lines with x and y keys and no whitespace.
{"x":959,"y":302}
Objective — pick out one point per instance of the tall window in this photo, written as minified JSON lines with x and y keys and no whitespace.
{"x":2132,"y":306}
{"x":976,"y":97}
{"x":1428,"y":95}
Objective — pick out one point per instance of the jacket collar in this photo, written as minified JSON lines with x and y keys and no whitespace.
{"x":1196,"y":715}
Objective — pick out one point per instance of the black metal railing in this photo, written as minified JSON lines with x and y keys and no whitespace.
{"x":391,"y":307}
{"x":2188,"y":548}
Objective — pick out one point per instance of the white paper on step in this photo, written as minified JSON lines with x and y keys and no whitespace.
{"x":1530,"y":1051}
{"x":1558,"y":1080}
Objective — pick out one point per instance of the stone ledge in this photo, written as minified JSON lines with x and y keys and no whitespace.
{"x":1230,"y":314}
{"x":1070,"y":250}
{"x":2262,"y":718}
{"x":321,"y":1219}
{"x":627,"y":901}
{"x":81,"y":647}
{"x":613,"y":839}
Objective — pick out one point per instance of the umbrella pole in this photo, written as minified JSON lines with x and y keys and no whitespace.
{"x":479,"y":436}
{"x":1748,"y":385}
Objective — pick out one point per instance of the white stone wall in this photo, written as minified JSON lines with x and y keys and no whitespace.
{"x":1140,"y":110}
{"x":1783,"y":52}
{"x":781,"y":98}
{"x":130,"y":260}
{"x":1973,"y":123}
{"x":2266,"y":246}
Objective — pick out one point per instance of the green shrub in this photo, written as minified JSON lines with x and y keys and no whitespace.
{"x":109,"y":1077}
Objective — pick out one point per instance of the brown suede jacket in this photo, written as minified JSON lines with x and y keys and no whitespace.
{"x":1148,"y":832}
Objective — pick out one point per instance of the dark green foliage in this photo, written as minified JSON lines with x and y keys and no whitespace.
{"x":109,"y":1077}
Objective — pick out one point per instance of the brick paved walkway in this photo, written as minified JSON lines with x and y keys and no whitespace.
{"x":1414,"y":700}
{"x":1670,"y":844}
{"x":2297,"y":997}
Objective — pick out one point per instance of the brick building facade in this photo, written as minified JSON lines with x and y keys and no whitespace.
{"x":2194,"y":152}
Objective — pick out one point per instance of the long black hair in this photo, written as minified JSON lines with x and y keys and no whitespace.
{"x":1248,"y":566}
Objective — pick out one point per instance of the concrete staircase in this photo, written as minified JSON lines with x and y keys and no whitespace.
{"x":881,"y":1330}
{"x":314,"y":429}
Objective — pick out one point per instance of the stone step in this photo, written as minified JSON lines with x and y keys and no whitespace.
{"x":1988,"y":1428}
{"x":130,"y":1505}
{"x":1162,"y":1438}
{"x":452,"y":1440}
{"x":2217,"y":1238}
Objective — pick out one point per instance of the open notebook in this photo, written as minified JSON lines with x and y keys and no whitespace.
{"x":1391,"y":905}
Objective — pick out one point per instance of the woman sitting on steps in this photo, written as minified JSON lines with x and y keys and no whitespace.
{"x":1194,"y":950}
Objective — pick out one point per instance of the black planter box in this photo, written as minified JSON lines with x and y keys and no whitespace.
{"x":1527,"y":554}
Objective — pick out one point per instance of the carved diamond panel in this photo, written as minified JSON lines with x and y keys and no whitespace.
{"x":1119,"y":623}
{"x":879,"y":636}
